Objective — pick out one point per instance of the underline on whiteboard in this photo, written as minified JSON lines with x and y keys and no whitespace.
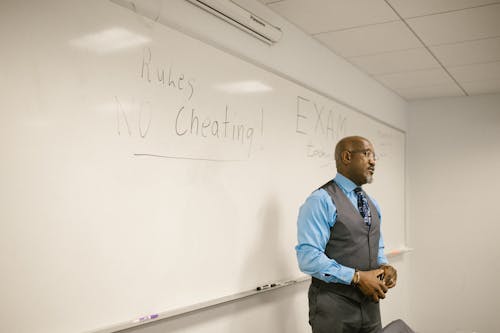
{"x":188,"y":158}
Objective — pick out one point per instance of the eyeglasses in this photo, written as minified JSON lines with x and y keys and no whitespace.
{"x":367,"y":152}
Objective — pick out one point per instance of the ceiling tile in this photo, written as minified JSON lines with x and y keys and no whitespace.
{"x":394,"y":62}
{"x":464,"y":53}
{"x":372,"y":39}
{"x":478,"y":72}
{"x":469,"y":24}
{"x":415,"y":79}
{"x":463,"y":34}
{"x":412,"y":8}
{"x":430,"y":91}
{"x":482,"y":87}
{"x":315,"y":16}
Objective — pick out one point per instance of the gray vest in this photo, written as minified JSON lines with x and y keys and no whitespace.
{"x":352,"y":243}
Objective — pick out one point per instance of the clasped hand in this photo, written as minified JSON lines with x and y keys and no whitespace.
{"x":375,"y":283}
{"x":390,"y":275}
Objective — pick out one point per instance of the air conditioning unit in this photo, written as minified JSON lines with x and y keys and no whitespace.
{"x":233,"y":13}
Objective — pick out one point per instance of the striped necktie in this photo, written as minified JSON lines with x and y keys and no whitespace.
{"x":363,"y":207}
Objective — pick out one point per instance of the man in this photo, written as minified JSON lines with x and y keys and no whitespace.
{"x":340,"y":246}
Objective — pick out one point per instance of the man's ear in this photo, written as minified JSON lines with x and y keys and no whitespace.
{"x":346,"y":157}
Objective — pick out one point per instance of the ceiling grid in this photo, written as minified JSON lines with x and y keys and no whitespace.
{"x":418,"y":49}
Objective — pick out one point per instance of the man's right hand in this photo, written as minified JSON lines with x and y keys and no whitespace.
{"x":371,"y":285}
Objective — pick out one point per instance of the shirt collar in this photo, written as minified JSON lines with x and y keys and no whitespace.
{"x":345,"y":183}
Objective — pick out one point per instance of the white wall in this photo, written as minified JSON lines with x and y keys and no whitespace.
{"x":302,"y":60}
{"x":296,"y":56}
{"x":454,"y":165}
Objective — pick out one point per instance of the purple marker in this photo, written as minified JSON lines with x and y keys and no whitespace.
{"x":141,"y":319}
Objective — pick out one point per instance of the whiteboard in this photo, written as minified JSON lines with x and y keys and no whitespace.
{"x":143,"y":170}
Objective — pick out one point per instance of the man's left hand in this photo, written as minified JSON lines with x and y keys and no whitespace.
{"x":390,"y":275}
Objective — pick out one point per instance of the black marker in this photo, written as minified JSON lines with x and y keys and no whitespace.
{"x":266,"y":286}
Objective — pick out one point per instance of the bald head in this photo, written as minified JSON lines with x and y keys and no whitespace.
{"x":354,"y":157}
{"x":347,"y":144}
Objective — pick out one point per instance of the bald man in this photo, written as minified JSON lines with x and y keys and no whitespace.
{"x":341,"y":247}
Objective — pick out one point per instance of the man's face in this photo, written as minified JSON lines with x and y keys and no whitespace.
{"x":362,"y":166}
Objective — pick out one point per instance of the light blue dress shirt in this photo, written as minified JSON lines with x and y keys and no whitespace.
{"x":316,"y":216}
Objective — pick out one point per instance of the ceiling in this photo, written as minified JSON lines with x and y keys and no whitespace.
{"x":417,"y":48}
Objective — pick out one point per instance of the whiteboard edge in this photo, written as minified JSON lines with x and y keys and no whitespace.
{"x":186,"y":310}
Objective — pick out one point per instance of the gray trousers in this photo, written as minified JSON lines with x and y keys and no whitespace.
{"x":330,"y":312}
